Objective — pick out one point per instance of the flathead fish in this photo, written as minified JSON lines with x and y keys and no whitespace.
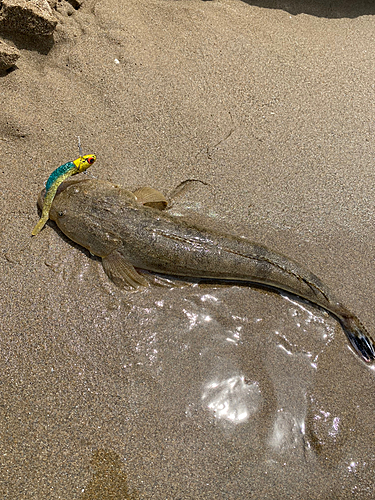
{"x":129,"y":233}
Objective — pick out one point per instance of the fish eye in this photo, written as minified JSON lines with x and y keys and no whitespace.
{"x":91,"y":160}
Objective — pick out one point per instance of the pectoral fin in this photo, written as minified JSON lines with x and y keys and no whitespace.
{"x":121,"y":272}
{"x":151,"y":198}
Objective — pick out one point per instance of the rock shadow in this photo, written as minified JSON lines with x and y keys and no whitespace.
{"x":41,"y":44}
{"x":334,"y":9}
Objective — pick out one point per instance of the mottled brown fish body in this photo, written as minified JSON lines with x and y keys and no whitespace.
{"x":110,"y":222}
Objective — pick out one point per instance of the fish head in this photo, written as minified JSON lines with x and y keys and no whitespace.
{"x":61,"y":188}
{"x":88,"y":212}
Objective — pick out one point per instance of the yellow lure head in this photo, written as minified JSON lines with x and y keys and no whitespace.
{"x":84,"y":162}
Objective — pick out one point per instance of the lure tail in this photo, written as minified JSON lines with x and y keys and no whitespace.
{"x":53,"y":182}
{"x":40,"y":224}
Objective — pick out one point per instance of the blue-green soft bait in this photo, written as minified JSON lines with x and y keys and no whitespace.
{"x":55,"y":179}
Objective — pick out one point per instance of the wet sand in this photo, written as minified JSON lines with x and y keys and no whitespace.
{"x":194,"y":392}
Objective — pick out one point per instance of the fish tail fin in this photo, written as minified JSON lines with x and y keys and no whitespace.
{"x":357,"y":335}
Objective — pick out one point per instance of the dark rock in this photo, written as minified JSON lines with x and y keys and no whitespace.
{"x":8,"y":56}
{"x":33,"y":17}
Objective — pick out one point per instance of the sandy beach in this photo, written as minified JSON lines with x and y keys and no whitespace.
{"x":192,"y":392}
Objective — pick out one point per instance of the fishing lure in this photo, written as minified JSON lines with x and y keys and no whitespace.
{"x":55,"y":179}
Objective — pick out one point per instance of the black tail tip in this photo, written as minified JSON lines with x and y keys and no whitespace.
{"x":363,"y":346}
{"x":357,"y":335}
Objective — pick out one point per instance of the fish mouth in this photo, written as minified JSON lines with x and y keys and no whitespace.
{"x":61,"y":188}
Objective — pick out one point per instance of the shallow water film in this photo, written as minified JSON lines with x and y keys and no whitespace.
{"x":185,"y":392}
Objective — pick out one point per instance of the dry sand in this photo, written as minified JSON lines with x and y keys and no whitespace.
{"x":191,"y":393}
